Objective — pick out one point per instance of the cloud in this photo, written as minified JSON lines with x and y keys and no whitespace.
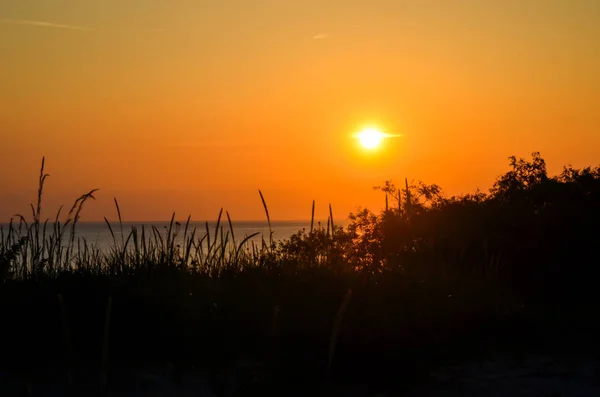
{"x":321,"y":36}
{"x":43,"y":24}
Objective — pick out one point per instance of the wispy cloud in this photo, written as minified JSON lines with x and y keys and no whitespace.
{"x":44,"y":24}
{"x":321,"y":36}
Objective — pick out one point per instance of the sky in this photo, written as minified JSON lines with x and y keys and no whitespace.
{"x":189,"y":106}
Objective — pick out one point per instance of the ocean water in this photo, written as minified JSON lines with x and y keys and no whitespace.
{"x":99,"y":234}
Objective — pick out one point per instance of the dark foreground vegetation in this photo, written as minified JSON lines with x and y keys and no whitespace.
{"x":377,"y":304}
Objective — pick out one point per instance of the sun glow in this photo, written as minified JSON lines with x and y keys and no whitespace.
{"x":370,"y":138}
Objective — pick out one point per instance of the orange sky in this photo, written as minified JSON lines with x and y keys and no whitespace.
{"x":190,"y":106}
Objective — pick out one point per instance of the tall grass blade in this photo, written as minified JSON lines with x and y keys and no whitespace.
{"x":331,"y":217}
{"x":243,"y":243}
{"x":264,"y":203}
{"x":120,"y":219}
{"x":312,"y":216}
{"x":231,"y":228}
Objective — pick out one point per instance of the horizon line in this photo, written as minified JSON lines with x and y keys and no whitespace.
{"x":223,"y":220}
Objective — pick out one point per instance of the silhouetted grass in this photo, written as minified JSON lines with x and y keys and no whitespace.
{"x":433,"y":279}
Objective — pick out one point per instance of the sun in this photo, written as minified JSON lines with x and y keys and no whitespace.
{"x":370,"y":138}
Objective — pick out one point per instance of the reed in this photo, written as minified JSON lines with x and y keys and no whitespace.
{"x":264,"y":203}
{"x":312,"y":217}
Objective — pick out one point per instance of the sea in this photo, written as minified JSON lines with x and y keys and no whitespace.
{"x":99,"y":233}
